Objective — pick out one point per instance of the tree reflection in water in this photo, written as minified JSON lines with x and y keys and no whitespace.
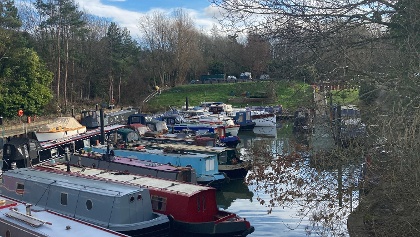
{"x":322,"y":185}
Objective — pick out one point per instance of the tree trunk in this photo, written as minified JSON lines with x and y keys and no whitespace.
{"x":66,"y":68}
{"x":58,"y":65}
{"x":119,"y":90}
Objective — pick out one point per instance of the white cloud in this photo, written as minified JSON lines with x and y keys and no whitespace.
{"x":124,"y":18}
{"x":204,"y":19}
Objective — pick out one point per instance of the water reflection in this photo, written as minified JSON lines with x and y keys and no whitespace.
{"x":233,"y":191}
{"x":287,"y":194}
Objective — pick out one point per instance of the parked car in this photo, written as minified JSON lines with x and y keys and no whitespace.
{"x":231,"y":78}
{"x":265,"y":77}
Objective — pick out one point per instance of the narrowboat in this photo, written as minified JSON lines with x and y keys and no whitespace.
{"x":24,"y":151}
{"x":229,"y":160}
{"x":92,"y":118}
{"x":25,"y":220}
{"x":133,"y":166}
{"x":118,"y":207}
{"x":192,"y":208}
{"x":205,"y":165}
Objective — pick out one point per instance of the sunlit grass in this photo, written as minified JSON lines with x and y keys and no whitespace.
{"x":289,"y":94}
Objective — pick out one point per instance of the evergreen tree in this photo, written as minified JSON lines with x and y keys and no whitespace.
{"x":24,"y":79}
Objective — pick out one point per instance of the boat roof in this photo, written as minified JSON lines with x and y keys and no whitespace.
{"x":61,"y":122}
{"x":187,"y":154}
{"x":72,"y":182}
{"x":196,"y":148}
{"x":94,"y":132}
{"x":146,"y":164}
{"x":141,"y":163}
{"x":181,"y":188}
{"x":48,"y":223}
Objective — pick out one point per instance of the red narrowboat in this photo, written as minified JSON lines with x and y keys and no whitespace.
{"x":192,"y":208}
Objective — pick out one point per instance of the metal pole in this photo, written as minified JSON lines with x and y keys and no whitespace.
{"x":2,"y":127}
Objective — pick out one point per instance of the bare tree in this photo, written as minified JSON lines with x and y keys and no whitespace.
{"x":373,"y":44}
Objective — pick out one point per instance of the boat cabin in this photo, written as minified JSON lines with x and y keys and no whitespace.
{"x":228,"y":158}
{"x":243,"y":118}
{"x":123,"y":208}
{"x":205,"y":165}
{"x":25,"y":220}
{"x":24,"y":152}
{"x":134,"y":166}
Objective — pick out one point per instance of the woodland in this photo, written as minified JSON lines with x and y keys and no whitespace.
{"x":54,"y":55}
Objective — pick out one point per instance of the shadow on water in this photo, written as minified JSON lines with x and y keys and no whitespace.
{"x":234,"y":190}
{"x":286,"y":193}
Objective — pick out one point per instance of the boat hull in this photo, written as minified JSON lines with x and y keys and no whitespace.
{"x":214,"y":228}
{"x":264,"y":119}
{"x":233,"y":130}
{"x":237,"y":171}
{"x":160,"y":230}
{"x":215,"y":181}
{"x":50,"y":136}
{"x":247,"y":126}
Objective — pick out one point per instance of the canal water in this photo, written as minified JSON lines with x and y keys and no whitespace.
{"x":288,"y":193}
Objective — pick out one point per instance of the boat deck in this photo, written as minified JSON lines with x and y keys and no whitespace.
{"x":130,"y":179}
{"x":42,"y":222}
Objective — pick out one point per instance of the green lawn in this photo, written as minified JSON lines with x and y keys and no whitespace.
{"x":345,"y":97}
{"x":289,"y":94}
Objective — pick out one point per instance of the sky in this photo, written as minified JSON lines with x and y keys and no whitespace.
{"x":126,"y":13}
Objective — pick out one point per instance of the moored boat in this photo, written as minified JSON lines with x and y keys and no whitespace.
{"x":91,"y":118}
{"x":133,"y":166}
{"x":123,"y":208}
{"x":205,"y":165}
{"x":24,"y":220}
{"x":230,"y":162}
{"x":60,"y":128}
{"x":243,"y":119}
{"x":263,"y":118}
{"x":24,"y":152}
{"x":192,"y":208}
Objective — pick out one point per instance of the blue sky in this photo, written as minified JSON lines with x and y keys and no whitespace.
{"x":128,"y":12}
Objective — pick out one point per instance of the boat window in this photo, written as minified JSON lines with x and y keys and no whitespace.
{"x":248,"y":116}
{"x":8,"y":233}
{"x":158,"y":203}
{"x":135,"y":119}
{"x":8,"y":150}
{"x":203,"y":199}
{"x":198,"y":203}
{"x":89,"y":204}
{"x":131,"y":199}
{"x":64,"y":199}
{"x":240,"y":118}
{"x":32,"y":146}
{"x":209,"y":165}
{"x":223,"y":158}
{"x":20,"y":188}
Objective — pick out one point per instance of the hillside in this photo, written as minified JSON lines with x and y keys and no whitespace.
{"x":287,"y":93}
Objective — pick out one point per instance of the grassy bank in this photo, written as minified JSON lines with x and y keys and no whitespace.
{"x":290,"y":95}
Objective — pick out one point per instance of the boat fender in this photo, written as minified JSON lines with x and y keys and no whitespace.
{"x":171,"y":218}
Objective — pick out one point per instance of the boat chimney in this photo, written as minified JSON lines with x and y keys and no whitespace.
{"x":101,"y":115}
{"x":28,"y":209}
{"x":186,"y":103}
